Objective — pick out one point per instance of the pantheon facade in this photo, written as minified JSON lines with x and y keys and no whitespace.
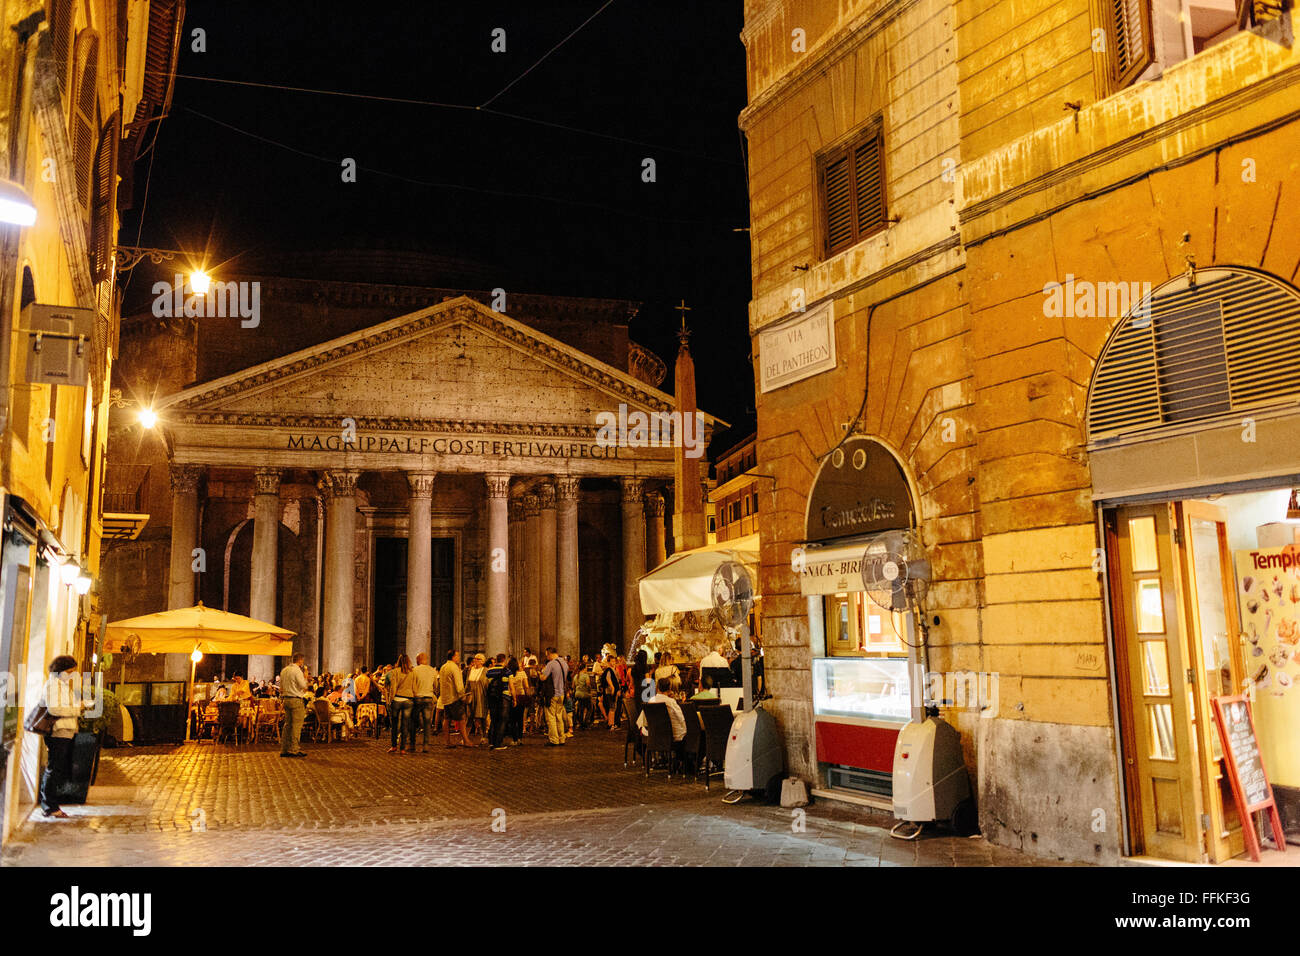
{"x":432,"y":481}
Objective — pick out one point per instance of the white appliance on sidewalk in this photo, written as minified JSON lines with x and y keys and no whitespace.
{"x":930,"y":779}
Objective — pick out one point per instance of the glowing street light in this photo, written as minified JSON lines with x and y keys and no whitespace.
{"x":69,"y":571}
{"x":82,"y":581}
{"x":196,"y":655}
{"x":200,"y":282}
{"x":16,"y":206}
{"x":148,"y":417}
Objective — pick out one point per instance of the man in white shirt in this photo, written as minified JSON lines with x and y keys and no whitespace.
{"x":427,"y":681}
{"x":293,"y":691}
{"x":675,"y":715}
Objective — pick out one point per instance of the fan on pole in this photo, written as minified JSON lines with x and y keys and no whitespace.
{"x":896,"y":572}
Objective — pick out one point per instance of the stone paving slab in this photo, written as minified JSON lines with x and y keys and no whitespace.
{"x":353,"y":804}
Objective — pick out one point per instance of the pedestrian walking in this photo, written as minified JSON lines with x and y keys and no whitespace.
{"x":609,"y":693}
{"x":293,"y":694}
{"x":426,"y":693}
{"x":582,"y":698}
{"x":401,"y":680}
{"x":57,"y":719}
{"x":476,"y":704}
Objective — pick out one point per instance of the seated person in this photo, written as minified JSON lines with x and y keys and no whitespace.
{"x":675,"y":715}
{"x":706,"y":691}
{"x":239,"y":690}
{"x":340,"y":713}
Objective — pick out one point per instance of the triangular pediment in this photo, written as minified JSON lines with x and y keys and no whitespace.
{"x":457,"y":362}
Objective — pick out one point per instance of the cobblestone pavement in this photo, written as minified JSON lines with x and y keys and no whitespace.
{"x":354,"y":804}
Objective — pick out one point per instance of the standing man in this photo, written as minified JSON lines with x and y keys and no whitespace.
{"x":426,"y":688}
{"x":451,"y":697}
{"x":555,"y":672}
{"x":497,"y":700}
{"x":293,"y":691}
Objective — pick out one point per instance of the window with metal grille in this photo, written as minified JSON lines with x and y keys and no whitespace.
{"x":1128,"y":39}
{"x":851,"y":183}
{"x":61,"y":33}
{"x":1228,"y":344}
{"x":85,"y":119}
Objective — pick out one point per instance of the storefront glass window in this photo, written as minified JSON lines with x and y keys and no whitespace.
{"x":1150,"y":608}
{"x":1142,"y":532}
{"x":858,"y":627}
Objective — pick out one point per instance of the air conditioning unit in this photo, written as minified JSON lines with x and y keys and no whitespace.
{"x":58,"y":343}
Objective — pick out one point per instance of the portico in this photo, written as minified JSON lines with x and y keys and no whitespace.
{"x":426,"y":483}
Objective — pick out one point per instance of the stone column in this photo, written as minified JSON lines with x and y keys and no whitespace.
{"x":566,"y":487}
{"x":419,"y":564}
{"x":656,"y":544}
{"x":633,"y":557}
{"x":340,"y":568}
{"x":497,"y":612}
{"x":185,"y":538}
{"x":532,"y":635}
{"x":546,"y":565}
{"x":266,"y":562}
{"x":516,"y":508}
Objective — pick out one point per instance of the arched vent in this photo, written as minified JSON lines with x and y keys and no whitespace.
{"x":1228,"y":344}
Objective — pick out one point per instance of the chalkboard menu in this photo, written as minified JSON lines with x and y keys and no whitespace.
{"x":1234,"y":717}
{"x":1245,"y":771}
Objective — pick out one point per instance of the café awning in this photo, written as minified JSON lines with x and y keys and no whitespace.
{"x":683,"y":582}
{"x":181,"y":630}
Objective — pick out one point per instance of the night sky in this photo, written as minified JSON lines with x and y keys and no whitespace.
{"x":242,"y":169}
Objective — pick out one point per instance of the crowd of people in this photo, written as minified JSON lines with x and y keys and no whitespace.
{"x":492,"y":703}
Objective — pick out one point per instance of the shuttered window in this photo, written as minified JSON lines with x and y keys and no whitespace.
{"x":61,"y":33}
{"x":101,"y":219}
{"x":1129,"y":36}
{"x":1228,"y":345}
{"x":852,"y":184}
{"x":85,"y":121}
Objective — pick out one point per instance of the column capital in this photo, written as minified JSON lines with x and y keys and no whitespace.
{"x":420,"y":483}
{"x":546,"y":494}
{"x":566,"y":487}
{"x":341,"y":484}
{"x":185,"y":478}
{"x":266,"y":481}
{"x":532,"y":507}
{"x":654,"y":504}
{"x":498,"y":484}
{"x":516,"y":509}
{"x":632,"y":489}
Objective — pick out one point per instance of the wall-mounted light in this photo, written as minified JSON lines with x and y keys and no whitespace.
{"x":82,"y":582}
{"x":69,"y":571}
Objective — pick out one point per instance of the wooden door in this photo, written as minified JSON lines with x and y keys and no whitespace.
{"x":1215,"y":659}
{"x":1149,"y":628}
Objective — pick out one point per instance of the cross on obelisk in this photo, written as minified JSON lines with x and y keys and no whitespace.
{"x":683,"y":333}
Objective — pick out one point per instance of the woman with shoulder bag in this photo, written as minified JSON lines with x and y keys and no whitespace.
{"x":56,"y":718}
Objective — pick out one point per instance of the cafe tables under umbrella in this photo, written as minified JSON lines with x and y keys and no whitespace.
{"x":200,"y":630}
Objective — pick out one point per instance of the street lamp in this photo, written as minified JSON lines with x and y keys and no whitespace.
{"x":200,"y":282}
{"x":196,"y":655}
{"x":148,"y":417}
{"x":16,"y":206}
{"x":81,"y":583}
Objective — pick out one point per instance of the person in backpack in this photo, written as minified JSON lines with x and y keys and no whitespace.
{"x":518,"y":689}
{"x":554,"y":680}
{"x":497,"y":701}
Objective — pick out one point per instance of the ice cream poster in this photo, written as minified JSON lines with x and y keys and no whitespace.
{"x":1268,"y":594}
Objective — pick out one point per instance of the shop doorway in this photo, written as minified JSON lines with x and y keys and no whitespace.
{"x":1181,"y":639}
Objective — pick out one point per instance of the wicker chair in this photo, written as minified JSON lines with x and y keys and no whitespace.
{"x":324,"y":719}
{"x":227,"y":720}
{"x":269,"y":716}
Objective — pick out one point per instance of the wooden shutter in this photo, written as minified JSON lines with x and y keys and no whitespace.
{"x":838,"y":202}
{"x":85,"y":127}
{"x":870,"y":186}
{"x":61,"y":15}
{"x":1130,"y":39}
{"x":101,"y":218}
{"x":853,"y":192}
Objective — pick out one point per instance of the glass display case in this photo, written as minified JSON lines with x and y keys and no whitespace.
{"x":869,"y":688}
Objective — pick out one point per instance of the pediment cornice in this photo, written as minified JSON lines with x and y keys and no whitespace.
{"x":200,"y":399}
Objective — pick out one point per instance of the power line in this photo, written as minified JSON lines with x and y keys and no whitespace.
{"x":548,"y":53}
{"x":437,"y":185}
{"x":435,"y":104}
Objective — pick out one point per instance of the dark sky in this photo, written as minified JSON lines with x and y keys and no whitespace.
{"x":551,"y":210}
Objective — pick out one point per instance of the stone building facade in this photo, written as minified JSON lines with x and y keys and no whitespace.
{"x":926,"y":178}
{"x":462,"y":421}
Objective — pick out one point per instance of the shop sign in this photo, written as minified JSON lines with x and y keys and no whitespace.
{"x":797,"y":351}
{"x":860,"y":490}
{"x":831,"y":571}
